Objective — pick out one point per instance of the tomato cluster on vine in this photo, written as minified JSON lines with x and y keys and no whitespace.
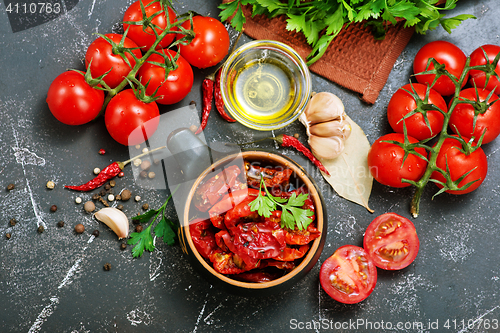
{"x":127,"y":75}
{"x":440,"y":122}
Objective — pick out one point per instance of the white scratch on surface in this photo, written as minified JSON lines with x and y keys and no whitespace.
{"x":199,"y":316}
{"x":46,"y":313}
{"x":91,"y":10}
{"x":49,"y":309}
{"x":36,"y":210}
{"x":154,"y":272}
{"x":70,"y":273}
{"x":207,"y":318}
{"x":466,"y":329}
{"x":137,"y":317}
{"x":24,"y":156}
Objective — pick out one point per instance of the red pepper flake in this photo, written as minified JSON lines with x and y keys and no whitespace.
{"x":102,"y":152}
{"x":109,"y":172}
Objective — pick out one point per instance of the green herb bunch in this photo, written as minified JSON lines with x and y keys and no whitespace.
{"x":321,"y":20}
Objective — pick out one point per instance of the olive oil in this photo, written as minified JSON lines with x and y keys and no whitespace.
{"x":263,"y":89}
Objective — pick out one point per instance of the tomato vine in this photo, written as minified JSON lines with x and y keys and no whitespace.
{"x":468,"y":146}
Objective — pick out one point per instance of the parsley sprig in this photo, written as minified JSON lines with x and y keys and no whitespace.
{"x":291,"y":212}
{"x":165,"y":229}
{"x":321,"y":20}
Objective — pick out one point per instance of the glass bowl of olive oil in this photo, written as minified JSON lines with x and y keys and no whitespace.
{"x":265,"y":85}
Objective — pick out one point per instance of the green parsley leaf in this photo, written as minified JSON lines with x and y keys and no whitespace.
{"x":291,"y":212}
{"x":166,"y":230}
{"x":142,"y":240}
{"x":145,"y":217}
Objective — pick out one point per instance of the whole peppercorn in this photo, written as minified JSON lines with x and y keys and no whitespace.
{"x":296,"y":135}
{"x":145,"y":165}
{"x":138,"y":228}
{"x":89,"y":206}
{"x":123,"y":246}
{"x":40,"y":229}
{"x":8,"y":235}
{"x":120,"y":207}
{"x":78,"y":200}
{"x":53,"y":208}
{"x":12,"y":222}
{"x":126,"y":195}
{"x":107,"y":187}
{"x":107,"y":266}
{"x":79,"y":228}
{"x":50,"y":185}
{"x":143,"y":174}
{"x":10,"y":187}
{"x":145,"y":206}
{"x":112,"y":183}
{"x":60,"y":224}
{"x":95,"y":233}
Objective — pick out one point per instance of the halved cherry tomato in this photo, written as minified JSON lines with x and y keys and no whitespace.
{"x":349,"y":275}
{"x":391,"y":241}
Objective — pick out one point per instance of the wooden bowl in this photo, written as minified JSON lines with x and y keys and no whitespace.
{"x":252,"y":288}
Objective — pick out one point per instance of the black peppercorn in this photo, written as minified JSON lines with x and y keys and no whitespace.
{"x":53,"y":208}
{"x":10,"y":187}
{"x":12,"y":222}
{"x":107,"y":266}
{"x":145,"y":206}
{"x":123,"y":246}
{"x":95,"y":233}
{"x":41,"y":229}
{"x":138,"y":228}
{"x":120,"y":207}
{"x":60,"y":224}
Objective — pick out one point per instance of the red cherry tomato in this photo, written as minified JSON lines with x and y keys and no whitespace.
{"x":129,"y":120}
{"x":444,"y":53}
{"x":100,"y":52}
{"x":349,"y":275}
{"x":385,"y":161}
{"x":402,"y":103}
{"x":178,"y":83}
{"x":210,"y":44}
{"x":459,"y":164}
{"x":72,"y":100}
{"x":462,"y":118}
{"x":478,"y":77}
{"x":391,"y":241}
{"x":145,"y":38}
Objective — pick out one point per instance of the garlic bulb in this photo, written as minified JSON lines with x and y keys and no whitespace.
{"x":115,"y":219}
{"x":327,"y":129}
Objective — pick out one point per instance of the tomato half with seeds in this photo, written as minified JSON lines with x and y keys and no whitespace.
{"x":391,"y":241}
{"x":349,"y":275}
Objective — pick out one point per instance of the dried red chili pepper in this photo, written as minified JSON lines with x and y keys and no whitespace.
{"x":219,"y":103}
{"x":290,"y":141}
{"x":109,"y":172}
{"x":208,"y":94}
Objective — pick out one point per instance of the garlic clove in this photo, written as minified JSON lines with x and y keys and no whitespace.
{"x":115,"y":219}
{"x":326,"y":147}
{"x":323,"y":107}
{"x":331,"y":128}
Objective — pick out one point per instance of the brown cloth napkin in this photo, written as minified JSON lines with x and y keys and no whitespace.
{"x":354,"y":60}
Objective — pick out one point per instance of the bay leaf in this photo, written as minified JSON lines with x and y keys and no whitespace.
{"x":349,"y":173}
